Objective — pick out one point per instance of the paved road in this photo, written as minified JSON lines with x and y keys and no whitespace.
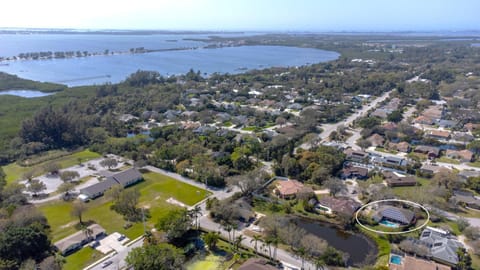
{"x":451,"y":216}
{"x":329,"y":128}
{"x":118,"y":259}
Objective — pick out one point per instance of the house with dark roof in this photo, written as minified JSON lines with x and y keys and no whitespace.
{"x":354,"y":172}
{"x":431,"y":151}
{"x":465,"y":174}
{"x":357,"y":156}
{"x":432,"y":169}
{"x":390,"y":161}
{"x":98,"y":189}
{"x":344,"y":206}
{"x":256,"y":264}
{"x":398,"y":180}
{"x":466,"y":198}
{"x":394,"y":214}
{"x":75,"y":241}
{"x":125,"y":178}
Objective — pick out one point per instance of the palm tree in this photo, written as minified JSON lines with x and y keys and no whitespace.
{"x":255,"y":239}
{"x":319,"y":263}
{"x":275,"y":246}
{"x":268,"y":242}
{"x":211,"y":239}
{"x":301,"y":252}
{"x":195,"y":213}
{"x":238,"y":241}
{"x":228,"y":227}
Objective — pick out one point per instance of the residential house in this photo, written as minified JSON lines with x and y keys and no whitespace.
{"x":205,"y":129}
{"x":380,"y":113}
{"x":390,"y":161}
{"x":465,"y":174}
{"x":98,"y":189}
{"x":434,"y":112}
{"x":471,"y":127}
{"x":356,"y":156}
{"x":125,"y":178}
{"x":341,"y":205}
{"x":423,"y":120}
{"x":75,"y":241}
{"x":399,"y":180}
{"x":466,"y":198}
{"x":390,"y":126}
{"x":256,"y":264}
{"x":438,"y":134}
{"x":463,"y":137}
{"x":417,"y":263}
{"x":394,"y":214}
{"x":432,"y":169}
{"x":354,"y":172}
{"x":443,"y":246}
{"x":287,"y":189}
{"x":431,"y":151}
{"x":376,"y":140}
{"x":403,"y":147}
{"x":462,"y":155}
{"x":447,"y":123}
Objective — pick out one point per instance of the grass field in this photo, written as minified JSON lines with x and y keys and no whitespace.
{"x":82,"y":258}
{"x":448,"y":160}
{"x":409,"y":192}
{"x":155,"y":190}
{"x":15,"y":171}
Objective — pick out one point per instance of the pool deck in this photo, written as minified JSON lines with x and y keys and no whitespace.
{"x":409,"y":263}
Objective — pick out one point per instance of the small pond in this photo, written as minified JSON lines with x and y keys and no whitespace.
{"x":25,"y":93}
{"x":357,"y":245}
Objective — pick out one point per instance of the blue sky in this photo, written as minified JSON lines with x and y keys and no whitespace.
{"x":261,"y":15}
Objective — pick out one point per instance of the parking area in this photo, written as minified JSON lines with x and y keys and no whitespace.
{"x":114,"y":241}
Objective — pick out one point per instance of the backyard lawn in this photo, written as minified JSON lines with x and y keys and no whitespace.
{"x":15,"y":171}
{"x":155,"y":190}
{"x":82,"y":258}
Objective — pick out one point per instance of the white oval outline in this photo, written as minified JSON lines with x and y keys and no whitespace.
{"x":393,"y":200}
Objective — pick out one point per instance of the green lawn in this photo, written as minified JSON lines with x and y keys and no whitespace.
{"x":410,"y":192}
{"x":15,"y":171}
{"x":474,"y":164}
{"x":448,"y":160}
{"x":155,"y":190}
{"x":82,"y":258}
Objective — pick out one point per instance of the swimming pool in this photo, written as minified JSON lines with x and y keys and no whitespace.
{"x":389,"y":224}
{"x":395,"y":259}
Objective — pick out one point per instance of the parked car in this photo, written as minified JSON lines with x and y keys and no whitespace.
{"x":121,"y":237}
{"x":107,"y":263}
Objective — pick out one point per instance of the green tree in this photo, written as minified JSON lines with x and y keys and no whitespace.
{"x":175,"y":223}
{"x":109,"y":163}
{"x":52,"y":167}
{"x":255,"y":239}
{"x":464,"y":260}
{"x":211,"y":240}
{"x":126,"y":204}
{"x":395,"y":116}
{"x":156,"y":257}
{"x":20,"y":243}
{"x":78,"y":208}
{"x":66,"y":187}
{"x":68,"y":176}
{"x":474,"y":146}
{"x":35,"y":186}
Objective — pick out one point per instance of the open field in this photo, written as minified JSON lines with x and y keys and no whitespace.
{"x":155,"y":190}
{"x":15,"y":171}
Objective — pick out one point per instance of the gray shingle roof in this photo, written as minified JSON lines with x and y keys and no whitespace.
{"x":126,"y":177}
{"x":99,"y":188}
{"x":397,"y":214}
